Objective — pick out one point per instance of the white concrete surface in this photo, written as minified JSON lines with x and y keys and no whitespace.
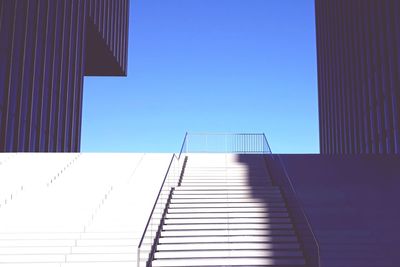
{"x":90,"y":210}
{"x":70,"y":209}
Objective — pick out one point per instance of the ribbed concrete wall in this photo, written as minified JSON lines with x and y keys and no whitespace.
{"x":41,"y":75}
{"x":352,"y":203}
{"x":46,"y":48}
{"x":110,"y":19}
{"x":358,"y":75}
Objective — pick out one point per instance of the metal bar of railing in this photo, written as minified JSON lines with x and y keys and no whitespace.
{"x":155,"y":203}
{"x":184,"y":146}
{"x":174,"y":157}
{"x":296,"y":198}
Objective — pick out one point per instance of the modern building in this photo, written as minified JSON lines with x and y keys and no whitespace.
{"x":358,"y":76}
{"x":46,"y":47}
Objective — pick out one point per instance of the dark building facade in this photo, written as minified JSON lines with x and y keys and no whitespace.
{"x":46,"y":47}
{"x":358,"y":45}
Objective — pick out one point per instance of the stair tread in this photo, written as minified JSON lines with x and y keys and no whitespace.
{"x":228,"y":205}
{"x":224,"y":226}
{"x":224,"y":191}
{"x":226,"y":209}
{"x":210,"y":239}
{"x":219,"y":246}
{"x":222,"y":200}
{"x":227,"y":232}
{"x":216,"y":185}
{"x":227,"y":253}
{"x":227,"y":196}
{"x":228,"y":262}
{"x":227,"y":220}
{"x":194,"y":215}
{"x":99,"y":257}
{"x":36,"y":258}
{"x":248,"y":187}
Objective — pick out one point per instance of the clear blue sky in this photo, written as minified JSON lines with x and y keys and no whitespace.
{"x":209,"y":66}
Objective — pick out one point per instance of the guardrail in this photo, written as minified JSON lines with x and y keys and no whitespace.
{"x":240,"y":143}
{"x":300,"y":219}
{"x":145,"y":250}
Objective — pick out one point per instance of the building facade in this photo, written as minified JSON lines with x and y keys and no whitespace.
{"x":358,"y":45}
{"x":46,"y":47}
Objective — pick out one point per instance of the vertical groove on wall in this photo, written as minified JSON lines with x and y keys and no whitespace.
{"x":42,"y":64}
{"x":358,"y":58}
{"x":7,"y":81}
{"x":19,"y":125}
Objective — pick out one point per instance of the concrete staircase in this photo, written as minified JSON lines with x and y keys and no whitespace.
{"x":226,"y":212}
{"x":75,"y":210}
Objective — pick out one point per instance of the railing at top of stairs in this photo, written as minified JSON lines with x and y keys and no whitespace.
{"x":238,"y":143}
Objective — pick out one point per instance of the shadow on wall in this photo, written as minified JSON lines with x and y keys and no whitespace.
{"x":352,"y":203}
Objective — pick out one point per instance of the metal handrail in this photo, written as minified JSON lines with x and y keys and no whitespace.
{"x":297,"y":200}
{"x":266,"y":142}
{"x":155,"y":203}
{"x":183,"y":144}
{"x":158,"y":197}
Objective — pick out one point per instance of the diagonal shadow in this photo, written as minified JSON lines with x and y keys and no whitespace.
{"x":279,"y":222}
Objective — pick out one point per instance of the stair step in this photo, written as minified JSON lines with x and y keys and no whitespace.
{"x":103,"y":249}
{"x":226,"y":175}
{"x":37,"y":243}
{"x":219,"y":239}
{"x":34,"y":250}
{"x":96,"y":264}
{"x":226,"y":209}
{"x":107,"y":242}
{"x":44,"y":235}
{"x":227,"y":232}
{"x":224,"y":187}
{"x":214,"y":196}
{"x":224,"y":178}
{"x":228,"y":262}
{"x":12,"y":259}
{"x":227,"y":254}
{"x":219,"y":185}
{"x":225,"y":226}
{"x":192,"y":170}
{"x":103,"y":257}
{"x":227,"y":220}
{"x":273,"y":191}
{"x":190,"y":173}
{"x":227,"y":205}
{"x":222,"y":181}
{"x":220,"y":246}
{"x":227,"y":215}
{"x":225,"y":200}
